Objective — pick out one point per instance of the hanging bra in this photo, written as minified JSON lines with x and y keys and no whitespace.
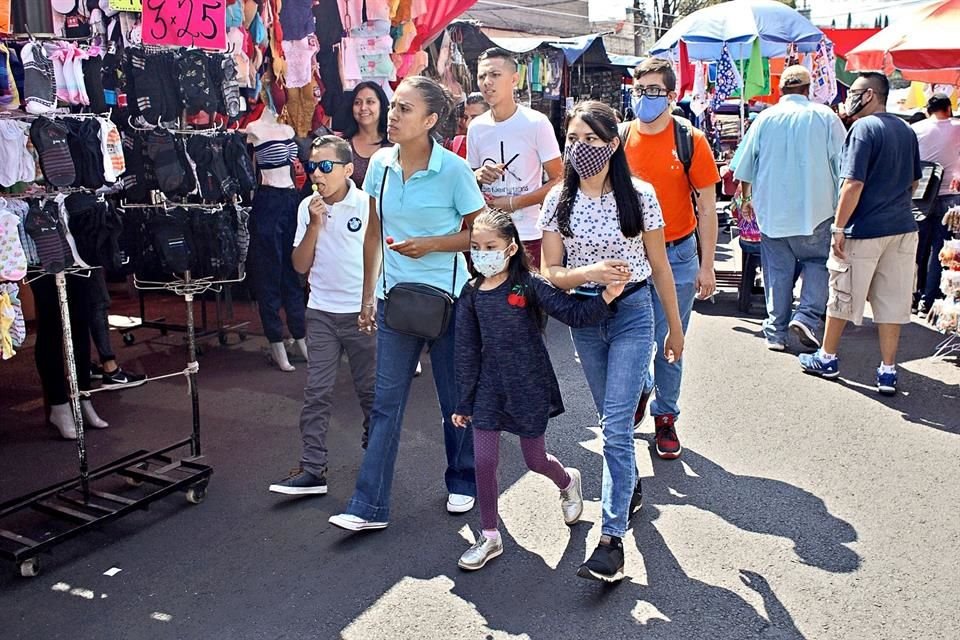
{"x":275,"y":154}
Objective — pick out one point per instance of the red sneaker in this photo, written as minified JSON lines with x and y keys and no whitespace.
{"x":641,"y":411}
{"x":668,"y":444}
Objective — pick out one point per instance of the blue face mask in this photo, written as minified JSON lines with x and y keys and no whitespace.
{"x":648,"y":109}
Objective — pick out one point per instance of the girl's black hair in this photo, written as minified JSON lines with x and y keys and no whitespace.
{"x":602,"y":120}
{"x":352,"y":128}
{"x":519,"y":268}
{"x":439,"y":101}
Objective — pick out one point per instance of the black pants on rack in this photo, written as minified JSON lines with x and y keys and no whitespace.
{"x":273,"y":225}
{"x":99,"y":310}
{"x":49,"y":349}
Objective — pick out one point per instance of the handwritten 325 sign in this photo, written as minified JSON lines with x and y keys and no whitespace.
{"x":200,"y":23}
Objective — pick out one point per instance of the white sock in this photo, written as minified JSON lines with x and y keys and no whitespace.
{"x":826,"y":357}
{"x":888,"y":368}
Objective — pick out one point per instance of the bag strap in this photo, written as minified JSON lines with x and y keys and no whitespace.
{"x":383,"y":258}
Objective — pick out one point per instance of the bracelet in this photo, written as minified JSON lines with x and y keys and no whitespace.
{"x":835,"y":229}
{"x":511,"y":204}
{"x":368,"y":305}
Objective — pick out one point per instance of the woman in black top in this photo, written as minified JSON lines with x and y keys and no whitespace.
{"x":366,"y":128}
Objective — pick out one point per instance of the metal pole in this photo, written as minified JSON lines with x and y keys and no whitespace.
{"x":191,"y":376}
{"x":71,"y":367}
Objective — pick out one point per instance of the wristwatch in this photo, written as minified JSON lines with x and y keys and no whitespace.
{"x":835,"y":229}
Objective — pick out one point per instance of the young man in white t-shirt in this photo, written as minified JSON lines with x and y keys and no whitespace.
{"x":328,"y":246}
{"x":510,"y":147}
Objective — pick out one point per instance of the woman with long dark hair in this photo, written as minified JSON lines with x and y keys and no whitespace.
{"x":610,"y":227}
{"x":366,"y":128}
{"x":423,"y":195}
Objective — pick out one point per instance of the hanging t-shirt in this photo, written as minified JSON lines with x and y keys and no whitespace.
{"x":336,"y":276}
{"x":524,"y":142}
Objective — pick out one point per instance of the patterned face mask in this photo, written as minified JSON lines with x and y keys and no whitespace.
{"x":586,"y":159}
{"x":490,"y":263}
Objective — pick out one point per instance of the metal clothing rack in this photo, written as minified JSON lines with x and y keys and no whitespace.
{"x":96,"y":497}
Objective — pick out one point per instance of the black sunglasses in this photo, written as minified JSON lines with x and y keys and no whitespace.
{"x":325,"y":166}
{"x":652,"y":91}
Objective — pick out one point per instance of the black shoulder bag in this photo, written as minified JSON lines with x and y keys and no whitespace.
{"x":415,"y":308}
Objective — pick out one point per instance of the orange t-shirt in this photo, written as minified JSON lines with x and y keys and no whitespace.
{"x":653,"y":159}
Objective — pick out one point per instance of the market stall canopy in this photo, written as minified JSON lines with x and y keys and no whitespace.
{"x":844,"y":41}
{"x":740,"y":22}
{"x":924,"y":46}
{"x":431,"y":23}
{"x":587,"y":49}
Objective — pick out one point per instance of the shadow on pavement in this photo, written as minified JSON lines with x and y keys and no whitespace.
{"x":757,"y":505}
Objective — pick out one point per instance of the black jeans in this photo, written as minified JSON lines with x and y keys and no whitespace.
{"x":99,"y":309}
{"x":49,"y":349}
{"x":273,"y":225}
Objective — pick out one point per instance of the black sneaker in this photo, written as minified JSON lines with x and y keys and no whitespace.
{"x":96,"y":371}
{"x":121,"y":379}
{"x":301,"y":483}
{"x":606,"y":562}
{"x":636,"y":500}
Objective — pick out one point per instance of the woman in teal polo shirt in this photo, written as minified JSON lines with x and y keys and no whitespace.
{"x":428,"y":194}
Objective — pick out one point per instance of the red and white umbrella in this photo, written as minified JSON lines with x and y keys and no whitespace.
{"x":924,"y":46}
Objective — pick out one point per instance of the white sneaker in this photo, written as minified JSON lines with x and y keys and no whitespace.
{"x":571,"y":499}
{"x":773,"y":345}
{"x":355,"y":523}
{"x":458,"y":503}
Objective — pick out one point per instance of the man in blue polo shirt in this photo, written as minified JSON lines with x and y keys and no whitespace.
{"x":874,"y":234}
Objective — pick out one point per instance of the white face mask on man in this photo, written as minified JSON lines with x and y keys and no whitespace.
{"x":490,"y":263}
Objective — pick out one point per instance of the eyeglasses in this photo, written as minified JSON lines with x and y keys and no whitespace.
{"x":653,"y":91}
{"x":325,"y":166}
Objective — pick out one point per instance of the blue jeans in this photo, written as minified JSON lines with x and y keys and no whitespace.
{"x":397,"y":356}
{"x":664,"y":376}
{"x":780,"y":257}
{"x":614,"y":356}
{"x":936,"y":234}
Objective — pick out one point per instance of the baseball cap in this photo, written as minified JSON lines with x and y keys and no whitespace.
{"x":795,"y":76}
{"x":939,"y":102}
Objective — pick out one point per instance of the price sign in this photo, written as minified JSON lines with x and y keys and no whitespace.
{"x":126,"y":5}
{"x":199,"y":23}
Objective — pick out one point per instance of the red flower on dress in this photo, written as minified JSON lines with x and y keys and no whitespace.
{"x":517,"y":297}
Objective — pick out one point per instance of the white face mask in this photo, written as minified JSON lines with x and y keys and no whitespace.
{"x":490,"y":263}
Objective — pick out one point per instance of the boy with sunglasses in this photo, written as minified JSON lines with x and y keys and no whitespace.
{"x":328,"y":247}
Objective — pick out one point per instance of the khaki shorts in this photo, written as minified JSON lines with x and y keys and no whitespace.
{"x":879,"y":270}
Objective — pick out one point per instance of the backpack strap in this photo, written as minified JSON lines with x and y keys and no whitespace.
{"x":683,"y":140}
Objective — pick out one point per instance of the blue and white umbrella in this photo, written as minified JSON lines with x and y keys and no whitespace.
{"x":737,"y":24}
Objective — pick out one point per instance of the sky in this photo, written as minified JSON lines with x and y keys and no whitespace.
{"x":864,"y":11}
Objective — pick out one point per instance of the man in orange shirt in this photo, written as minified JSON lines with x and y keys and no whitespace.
{"x":651,"y":148}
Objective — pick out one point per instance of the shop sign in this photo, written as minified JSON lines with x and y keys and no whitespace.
{"x":198,"y":23}
{"x":126,"y":5}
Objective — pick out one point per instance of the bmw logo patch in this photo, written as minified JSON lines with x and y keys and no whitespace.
{"x":354,"y":224}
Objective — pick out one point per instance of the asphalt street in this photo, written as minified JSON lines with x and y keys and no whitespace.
{"x":801,"y":508}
